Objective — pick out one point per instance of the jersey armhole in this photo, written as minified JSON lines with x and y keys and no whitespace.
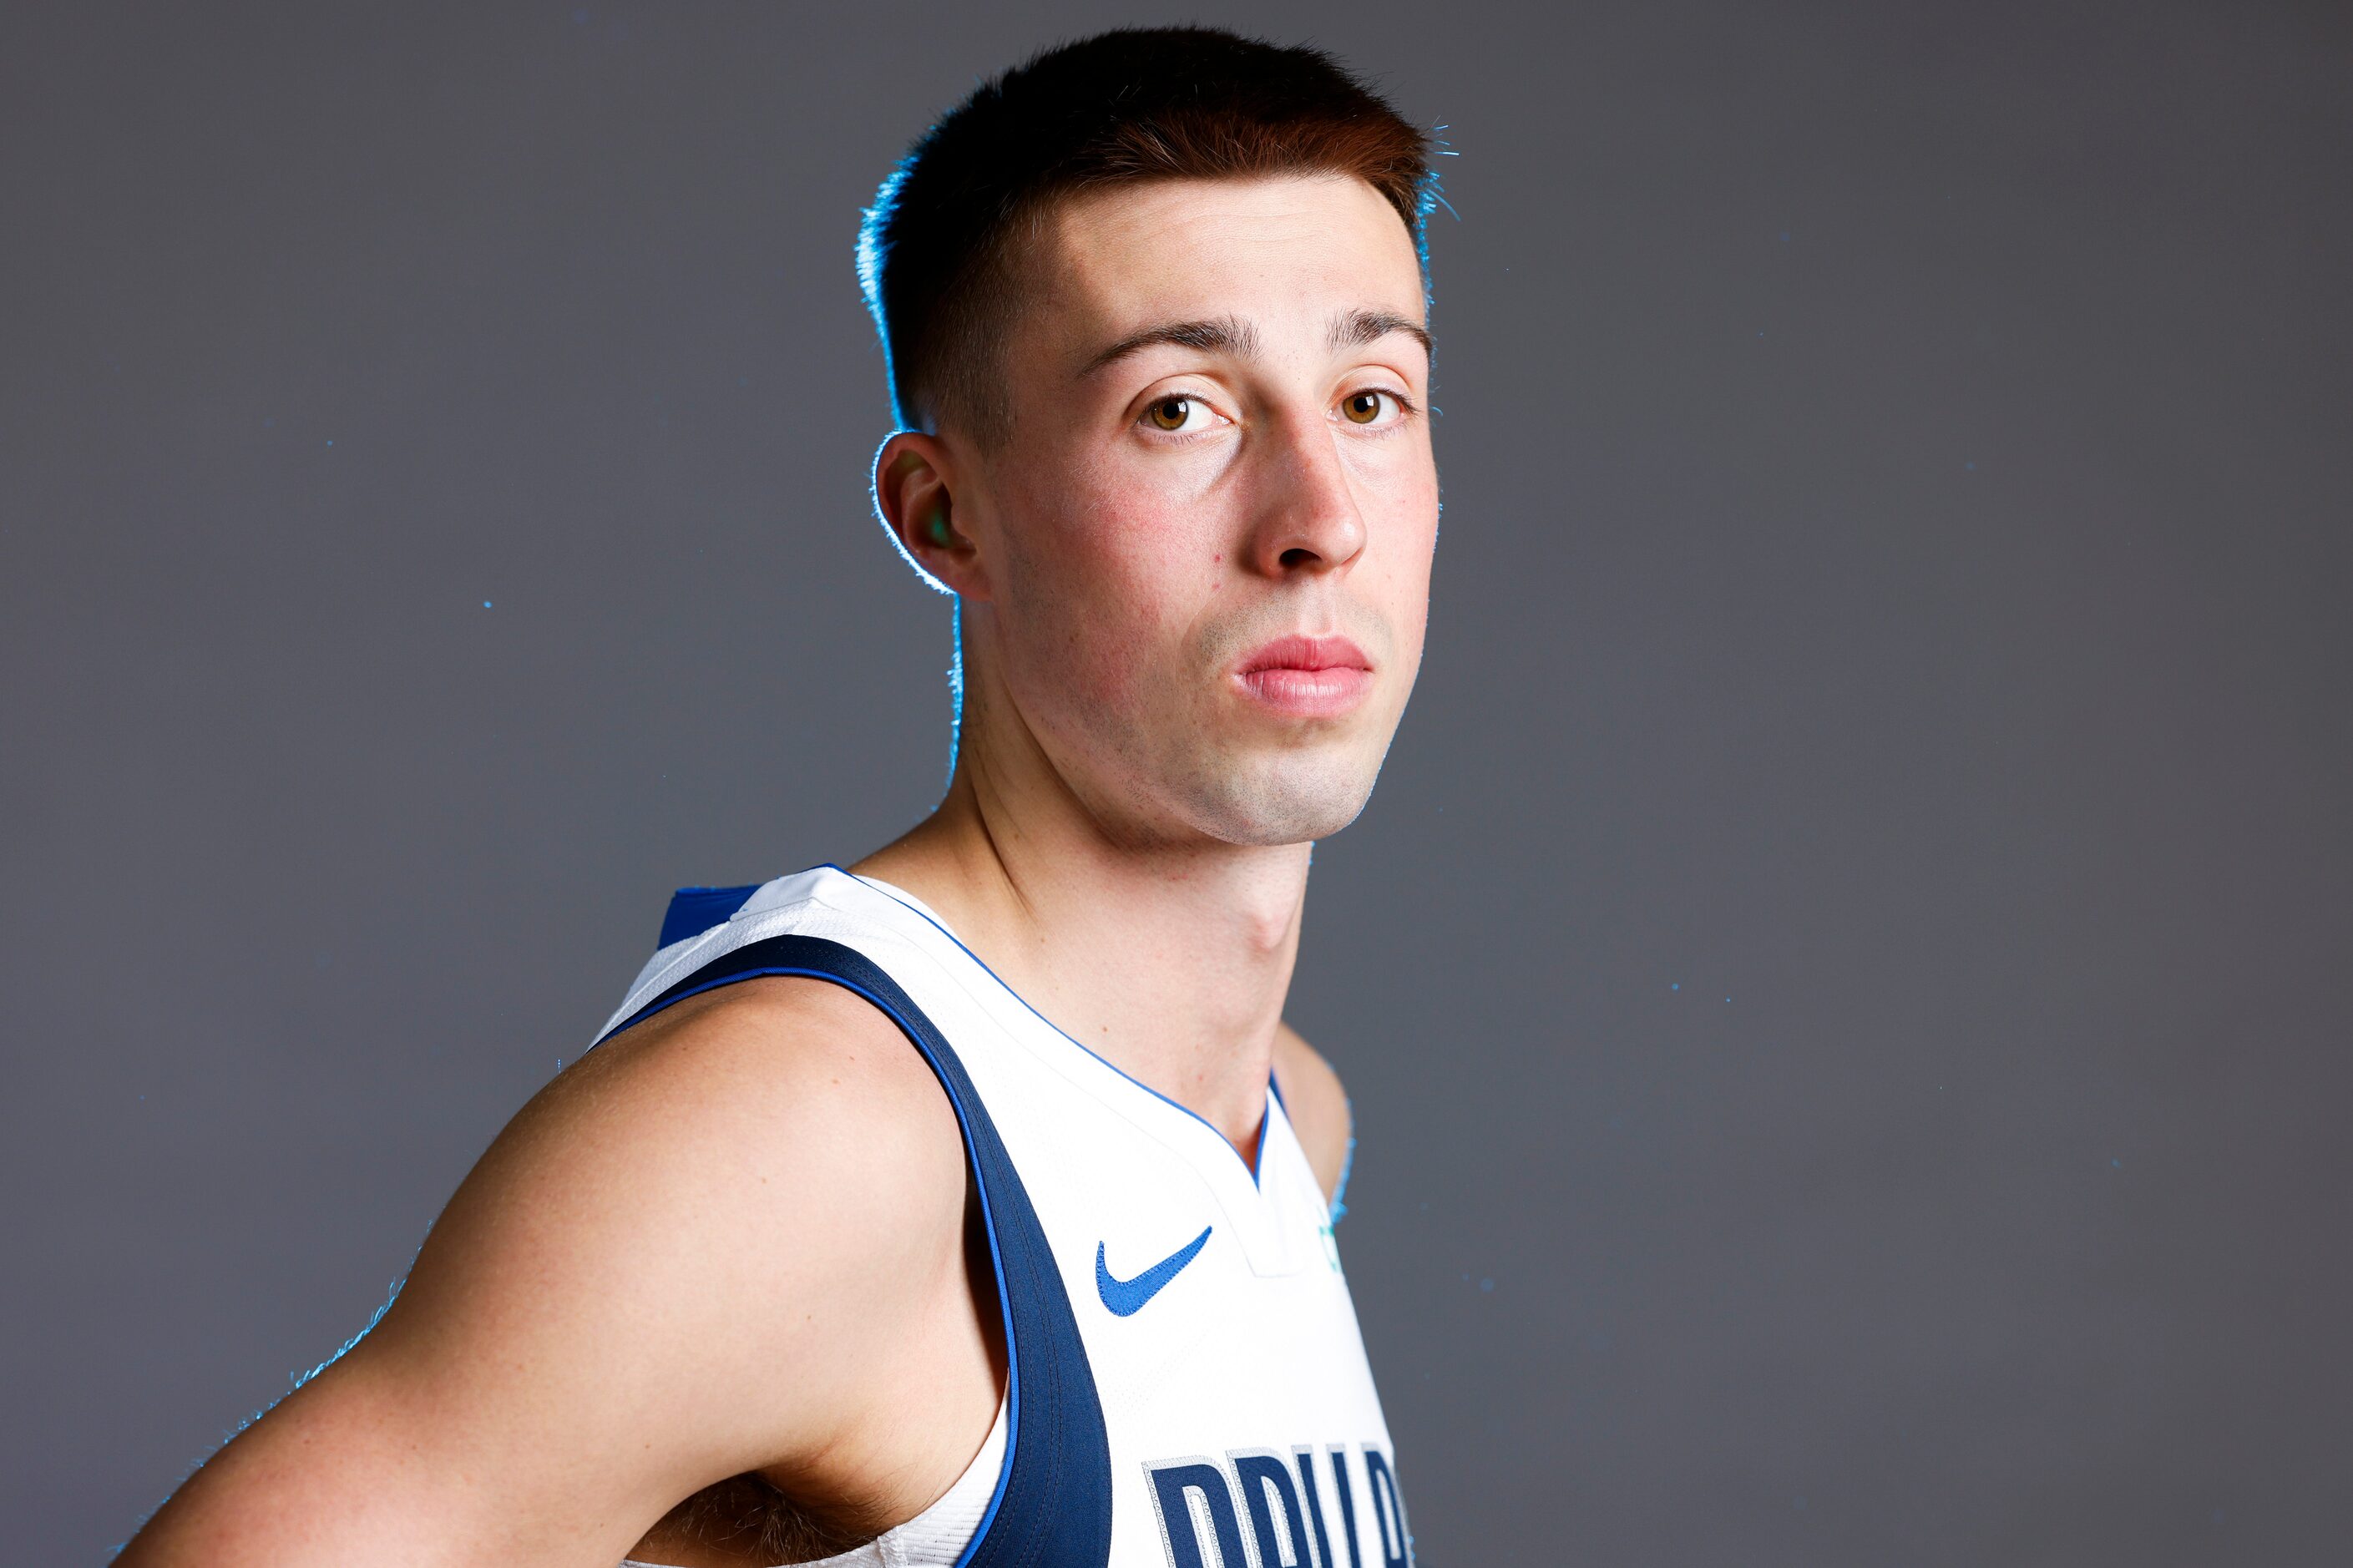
{"x":1051,"y":1506}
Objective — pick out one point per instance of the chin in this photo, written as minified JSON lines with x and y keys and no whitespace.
{"x":1294,"y":800}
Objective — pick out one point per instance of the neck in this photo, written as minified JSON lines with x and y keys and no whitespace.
{"x":1170,"y":960}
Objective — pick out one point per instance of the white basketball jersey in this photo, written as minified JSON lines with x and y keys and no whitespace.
{"x":1188,"y":1387}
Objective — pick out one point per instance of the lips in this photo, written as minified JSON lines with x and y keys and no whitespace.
{"x":1307,"y":678}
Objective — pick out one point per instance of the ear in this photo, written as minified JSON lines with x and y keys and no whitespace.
{"x":914,"y":495}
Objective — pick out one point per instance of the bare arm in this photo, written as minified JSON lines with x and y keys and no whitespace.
{"x":1316,"y":1104}
{"x":709,"y":1247}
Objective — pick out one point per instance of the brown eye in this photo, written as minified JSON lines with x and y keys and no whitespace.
{"x":1171,"y":412}
{"x":1363,"y":407}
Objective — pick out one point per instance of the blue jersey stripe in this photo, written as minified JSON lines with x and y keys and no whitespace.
{"x":1052,"y":1504}
{"x":693,"y":911}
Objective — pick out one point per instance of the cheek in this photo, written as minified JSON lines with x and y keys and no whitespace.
{"x":1103,"y":588}
{"x":1396,"y":574}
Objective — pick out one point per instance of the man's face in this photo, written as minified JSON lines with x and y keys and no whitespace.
{"x":1209,"y":533}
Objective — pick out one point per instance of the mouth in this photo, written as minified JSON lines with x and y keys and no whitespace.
{"x":1306,"y":677}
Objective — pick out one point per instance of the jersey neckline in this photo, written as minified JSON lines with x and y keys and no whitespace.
{"x":908,"y":900}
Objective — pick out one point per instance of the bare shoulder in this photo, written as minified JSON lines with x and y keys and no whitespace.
{"x":718,"y":1218}
{"x":771,"y":1102}
{"x":1316,"y":1104}
{"x":677,"y":1263}
{"x":761,"y":1080}
{"x":724,"y":1177}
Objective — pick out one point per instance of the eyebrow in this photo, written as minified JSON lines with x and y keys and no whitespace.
{"x":1224,"y":335}
{"x":1229,"y":336}
{"x":1358,"y":328}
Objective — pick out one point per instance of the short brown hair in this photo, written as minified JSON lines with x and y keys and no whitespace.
{"x":1132,"y":105}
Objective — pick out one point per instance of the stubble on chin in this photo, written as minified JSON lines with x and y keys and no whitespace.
{"x":1258,"y":795}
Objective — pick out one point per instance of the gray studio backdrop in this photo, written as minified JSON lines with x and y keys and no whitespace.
{"x":1844,"y":982}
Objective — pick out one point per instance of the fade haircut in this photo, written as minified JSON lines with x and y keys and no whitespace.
{"x":937,"y":256}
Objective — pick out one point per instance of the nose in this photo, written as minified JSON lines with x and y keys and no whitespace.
{"x":1307,"y":521}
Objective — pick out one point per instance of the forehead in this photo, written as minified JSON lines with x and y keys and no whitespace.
{"x":1282,"y":250}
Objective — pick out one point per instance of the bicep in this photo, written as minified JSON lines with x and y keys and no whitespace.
{"x":660,"y":1275}
{"x":482,"y":1447}
{"x":357,"y":1468}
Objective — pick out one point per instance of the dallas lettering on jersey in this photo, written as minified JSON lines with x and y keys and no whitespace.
{"x":1259,"y":1509}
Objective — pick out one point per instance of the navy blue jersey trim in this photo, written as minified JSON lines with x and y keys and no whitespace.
{"x":1052,"y":1504}
{"x":693,"y":911}
{"x":1251,"y":1164}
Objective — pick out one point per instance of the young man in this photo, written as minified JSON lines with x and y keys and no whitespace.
{"x":973,"y":1205}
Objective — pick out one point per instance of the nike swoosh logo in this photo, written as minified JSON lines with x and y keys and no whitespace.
{"x":1125,"y":1298}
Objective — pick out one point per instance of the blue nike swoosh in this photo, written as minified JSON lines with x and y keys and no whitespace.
{"x":1125,"y":1298}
